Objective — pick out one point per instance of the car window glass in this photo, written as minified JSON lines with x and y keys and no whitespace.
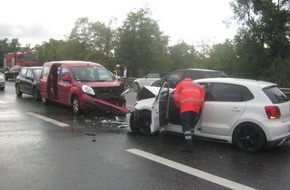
{"x":153,"y":75}
{"x":23,"y":72}
{"x":29,"y":74}
{"x":175,"y":77}
{"x":64,"y":71}
{"x":91,"y":74}
{"x":45,"y":72}
{"x":229,"y":93}
{"x":275,"y":95}
{"x":37,"y":72}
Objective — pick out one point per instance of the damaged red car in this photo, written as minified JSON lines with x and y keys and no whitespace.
{"x":82,"y":85}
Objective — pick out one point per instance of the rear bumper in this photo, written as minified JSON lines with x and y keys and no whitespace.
{"x":278,"y":142}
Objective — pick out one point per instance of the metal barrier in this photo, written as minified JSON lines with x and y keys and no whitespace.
{"x":286,"y":91}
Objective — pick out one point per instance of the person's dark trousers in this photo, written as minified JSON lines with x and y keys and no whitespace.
{"x":188,"y":121}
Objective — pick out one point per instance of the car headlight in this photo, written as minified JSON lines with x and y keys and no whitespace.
{"x":88,"y":90}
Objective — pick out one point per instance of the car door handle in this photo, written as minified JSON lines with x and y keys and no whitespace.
{"x":236,"y":109}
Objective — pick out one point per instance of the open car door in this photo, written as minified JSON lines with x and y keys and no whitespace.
{"x":160,"y":108}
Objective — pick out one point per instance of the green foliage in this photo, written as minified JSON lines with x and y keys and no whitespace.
{"x":7,"y":46}
{"x":260,"y":49}
{"x":262,"y":43}
{"x":223,"y":57}
{"x":141,"y":47}
{"x":182,"y":55}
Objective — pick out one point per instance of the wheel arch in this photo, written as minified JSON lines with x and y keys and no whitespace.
{"x":247,"y":123}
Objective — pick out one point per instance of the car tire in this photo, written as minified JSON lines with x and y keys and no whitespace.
{"x":136,"y":86}
{"x":18,"y":91}
{"x":140,"y":122}
{"x":249,"y":137}
{"x":44,"y":101}
{"x":76,"y":105}
{"x":36,"y":94}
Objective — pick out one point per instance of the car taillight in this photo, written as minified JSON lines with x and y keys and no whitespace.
{"x":273,"y":112}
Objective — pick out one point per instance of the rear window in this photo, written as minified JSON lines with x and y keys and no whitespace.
{"x":275,"y":95}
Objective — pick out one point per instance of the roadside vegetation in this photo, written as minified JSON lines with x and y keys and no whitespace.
{"x":259,"y":50}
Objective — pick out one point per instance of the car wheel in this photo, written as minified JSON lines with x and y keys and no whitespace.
{"x":36,"y":94}
{"x":140,"y":122}
{"x":44,"y":101}
{"x":136,"y":86}
{"x":76,"y":106}
{"x":249,"y":137}
{"x":18,"y":91}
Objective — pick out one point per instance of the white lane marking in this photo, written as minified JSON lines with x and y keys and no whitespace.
{"x":48,"y":119}
{"x":2,"y":102}
{"x":192,"y":171}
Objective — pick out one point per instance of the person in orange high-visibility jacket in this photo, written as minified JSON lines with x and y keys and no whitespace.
{"x":189,"y":96}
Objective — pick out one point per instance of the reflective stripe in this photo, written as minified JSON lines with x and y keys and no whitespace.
{"x":187,"y":132}
{"x":188,"y":137}
{"x":190,"y":99}
{"x":189,"y":90}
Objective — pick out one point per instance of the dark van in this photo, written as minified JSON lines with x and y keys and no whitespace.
{"x":83,"y":86}
{"x":174,"y":77}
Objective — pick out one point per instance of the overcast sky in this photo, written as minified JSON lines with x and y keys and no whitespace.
{"x":36,"y":21}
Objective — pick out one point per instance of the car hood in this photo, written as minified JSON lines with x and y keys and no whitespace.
{"x":101,"y":84}
{"x":146,"y":92}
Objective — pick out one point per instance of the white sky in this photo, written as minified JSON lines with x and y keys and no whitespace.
{"x":35,"y":21}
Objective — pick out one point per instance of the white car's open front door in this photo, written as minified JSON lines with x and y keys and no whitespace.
{"x":159,"y":108}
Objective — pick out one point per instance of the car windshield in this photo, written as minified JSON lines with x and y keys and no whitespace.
{"x":91,"y":74}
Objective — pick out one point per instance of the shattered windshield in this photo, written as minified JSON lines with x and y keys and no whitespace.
{"x":91,"y":74}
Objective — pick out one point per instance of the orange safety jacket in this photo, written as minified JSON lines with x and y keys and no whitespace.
{"x":189,"y":95}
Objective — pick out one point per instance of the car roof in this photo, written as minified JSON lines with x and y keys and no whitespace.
{"x":34,"y":67}
{"x":239,"y":81}
{"x":197,"y":69}
{"x":74,"y":63}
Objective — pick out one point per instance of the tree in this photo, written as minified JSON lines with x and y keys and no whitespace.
{"x":263,"y":40}
{"x":142,"y":47}
{"x":223,"y":57}
{"x":183,"y":55}
{"x":53,"y":50}
{"x":7,"y":46}
{"x":93,"y":40}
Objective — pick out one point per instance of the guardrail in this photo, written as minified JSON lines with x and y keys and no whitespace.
{"x":286,"y":91}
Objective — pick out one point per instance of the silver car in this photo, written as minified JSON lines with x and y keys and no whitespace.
{"x":2,"y":82}
{"x":147,"y":80}
{"x":248,"y":113}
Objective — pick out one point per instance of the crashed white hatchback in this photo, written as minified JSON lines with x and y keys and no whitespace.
{"x":248,"y":113}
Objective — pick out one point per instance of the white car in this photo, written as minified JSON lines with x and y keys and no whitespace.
{"x":247,"y":113}
{"x":147,"y":80}
{"x":2,"y":82}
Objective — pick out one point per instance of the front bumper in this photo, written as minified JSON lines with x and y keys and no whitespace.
{"x":95,"y":104}
{"x":2,"y":84}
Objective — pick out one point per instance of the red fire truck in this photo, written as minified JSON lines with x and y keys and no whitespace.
{"x":21,"y":59}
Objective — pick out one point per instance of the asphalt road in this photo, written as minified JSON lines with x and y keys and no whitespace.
{"x":46,"y":147}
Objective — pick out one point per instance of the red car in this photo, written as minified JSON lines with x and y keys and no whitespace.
{"x":82,"y":85}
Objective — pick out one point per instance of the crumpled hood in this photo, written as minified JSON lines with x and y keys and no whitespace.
{"x":146,"y":92}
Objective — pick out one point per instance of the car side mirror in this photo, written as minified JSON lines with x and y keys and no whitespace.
{"x":66,"y":78}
